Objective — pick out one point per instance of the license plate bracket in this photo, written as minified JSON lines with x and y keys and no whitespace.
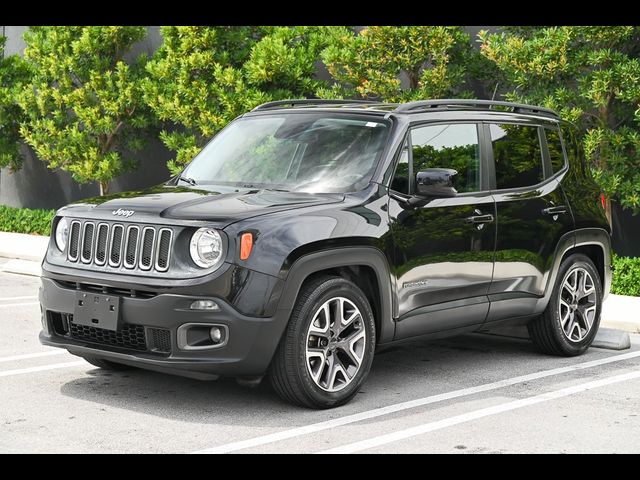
{"x":96,"y":310}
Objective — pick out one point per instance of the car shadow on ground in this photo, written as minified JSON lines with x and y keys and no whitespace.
{"x":411,"y":370}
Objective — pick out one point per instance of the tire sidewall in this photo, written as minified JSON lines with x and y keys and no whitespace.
{"x":337,"y":287}
{"x":569,"y":347}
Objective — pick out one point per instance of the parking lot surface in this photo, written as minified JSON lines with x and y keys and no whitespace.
{"x":473,"y":394}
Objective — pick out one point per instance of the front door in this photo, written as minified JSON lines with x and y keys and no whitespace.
{"x":443,"y":250}
{"x":533,"y":215}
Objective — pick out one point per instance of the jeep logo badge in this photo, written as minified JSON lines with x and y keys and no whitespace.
{"x":123,"y":213}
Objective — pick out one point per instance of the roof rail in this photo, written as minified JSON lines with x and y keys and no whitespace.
{"x":422,"y":105}
{"x":310,"y":101}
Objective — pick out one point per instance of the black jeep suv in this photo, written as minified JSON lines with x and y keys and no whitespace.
{"x":309,"y":233}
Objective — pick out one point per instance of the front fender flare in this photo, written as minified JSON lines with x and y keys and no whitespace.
{"x":344,"y":257}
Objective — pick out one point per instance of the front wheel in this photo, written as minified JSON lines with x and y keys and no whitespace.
{"x":571,"y":320}
{"x":327,"y":349}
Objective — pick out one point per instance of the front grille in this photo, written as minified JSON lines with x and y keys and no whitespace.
{"x":164,"y":250}
{"x":131,"y":247}
{"x":87,"y":242}
{"x":74,"y":241}
{"x":101,"y":244}
{"x":146,"y":252}
{"x":129,"y":336}
{"x":118,"y":245}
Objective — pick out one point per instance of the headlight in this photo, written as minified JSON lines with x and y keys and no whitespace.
{"x":206,"y":248}
{"x":62,"y":234}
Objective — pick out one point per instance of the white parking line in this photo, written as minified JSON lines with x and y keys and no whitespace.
{"x":18,"y":304}
{"x":26,"y":356}
{"x":55,"y":366}
{"x":29,"y":297}
{"x":477,"y":414}
{"x":358,"y":417}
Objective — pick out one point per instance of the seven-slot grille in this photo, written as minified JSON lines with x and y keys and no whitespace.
{"x":119,"y":245}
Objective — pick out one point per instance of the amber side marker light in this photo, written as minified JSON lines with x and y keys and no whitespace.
{"x":246,"y":244}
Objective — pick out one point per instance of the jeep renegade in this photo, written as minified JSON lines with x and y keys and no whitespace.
{"x":309,"y":233}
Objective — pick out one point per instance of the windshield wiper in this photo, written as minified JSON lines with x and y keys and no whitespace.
{"x":188,"y":180}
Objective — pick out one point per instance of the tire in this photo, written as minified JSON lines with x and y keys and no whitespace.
{"x":549,"y":332}
{"x":326,"y":378}
{"x":106,"y":364}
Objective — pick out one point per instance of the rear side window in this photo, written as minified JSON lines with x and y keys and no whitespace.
{"x":556,"y":154}
{"x":517,"y":155}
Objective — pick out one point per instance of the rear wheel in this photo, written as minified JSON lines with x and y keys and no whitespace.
{"x":572,"y":318}
{"x":327,"y":349}
{"x":106,"y":364}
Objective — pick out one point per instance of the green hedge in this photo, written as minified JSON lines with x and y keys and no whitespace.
{"x":626,"y":276}
{"x":26,"y":220}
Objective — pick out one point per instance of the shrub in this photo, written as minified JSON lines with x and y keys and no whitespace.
{"x":14,"y":72}
{"x":26,"y":220}
{"x":84,"y":108}
{"x":626,"y":276}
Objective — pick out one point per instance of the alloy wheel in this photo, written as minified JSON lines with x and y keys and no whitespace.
{"x":336,"y":344}
{"x":578,"y":304}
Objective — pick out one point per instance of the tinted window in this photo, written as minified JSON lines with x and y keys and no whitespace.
{"x":556,"y":155}
{"x":443,"y":146}
{"x":401,"y":178}
{"x":517,"y":154}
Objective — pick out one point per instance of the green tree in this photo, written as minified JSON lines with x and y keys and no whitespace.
{"x":14,"y":73}
{"x":203,"y":77}
{"x":591,"y":75}
{"x":84,"y":108}
{"x":433,"y":60}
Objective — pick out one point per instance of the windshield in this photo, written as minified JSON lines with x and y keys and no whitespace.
{"x":317,"y":153}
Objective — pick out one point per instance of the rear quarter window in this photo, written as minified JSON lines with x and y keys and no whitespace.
{"x":556,"y":153}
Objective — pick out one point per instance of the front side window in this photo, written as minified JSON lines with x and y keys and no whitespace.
{"x":517,"y":155}
{"x":452,"y":146}
{"x":297,"y":152}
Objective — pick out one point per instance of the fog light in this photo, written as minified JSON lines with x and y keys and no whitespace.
{"x":216,"y":334}
{"x":204,"y":305}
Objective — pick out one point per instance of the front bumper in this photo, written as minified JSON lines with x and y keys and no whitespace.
{"x":251,"y":343}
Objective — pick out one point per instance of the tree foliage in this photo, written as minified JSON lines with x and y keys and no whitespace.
{"x":14,"y":73}
{"x":203,"y":77}
{"x":84,"y":108}
{"x":591,"y":75}
{"x":434,"y":61}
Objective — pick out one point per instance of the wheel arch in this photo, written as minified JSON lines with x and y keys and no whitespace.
{"x":595,"y":243}
{"x":367,"y":267}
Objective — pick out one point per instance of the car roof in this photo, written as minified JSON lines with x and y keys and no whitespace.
{"x":407,"y":109}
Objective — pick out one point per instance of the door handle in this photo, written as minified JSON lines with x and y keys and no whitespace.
{"x":559,"y":210}
{"x":479,"y":219}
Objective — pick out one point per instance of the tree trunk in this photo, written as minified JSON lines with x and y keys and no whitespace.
{"x":104,"y":188}
{"x":607,"y":211}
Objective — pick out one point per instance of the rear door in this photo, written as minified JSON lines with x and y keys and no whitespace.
{"x":532,"y":215}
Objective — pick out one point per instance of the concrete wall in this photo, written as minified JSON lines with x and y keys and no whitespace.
{"x":35,"y":186}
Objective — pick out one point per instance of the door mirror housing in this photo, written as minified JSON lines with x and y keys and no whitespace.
{"x":436,"y":183}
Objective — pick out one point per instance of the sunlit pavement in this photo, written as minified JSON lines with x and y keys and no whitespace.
{"x":477,"y":393}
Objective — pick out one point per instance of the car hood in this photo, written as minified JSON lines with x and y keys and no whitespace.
{"x":192,"y":204}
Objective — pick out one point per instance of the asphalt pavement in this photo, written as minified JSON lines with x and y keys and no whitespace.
{"x":473,"y":394}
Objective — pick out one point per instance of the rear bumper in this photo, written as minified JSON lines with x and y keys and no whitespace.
{"x":251,"y":342}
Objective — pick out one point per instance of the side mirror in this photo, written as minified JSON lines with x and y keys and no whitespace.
{"x":436,"y":183}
